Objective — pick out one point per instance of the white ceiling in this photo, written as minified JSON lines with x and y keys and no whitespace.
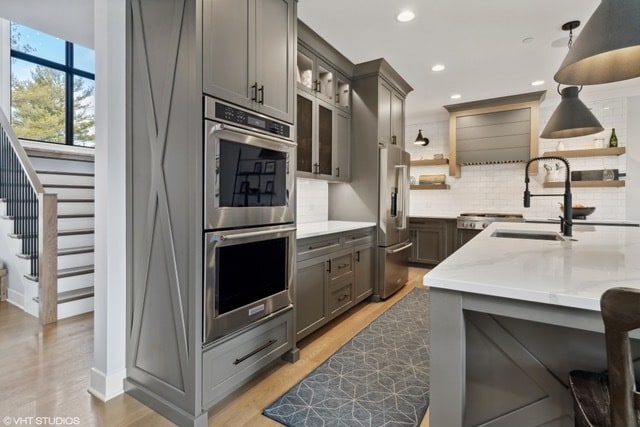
{"x":480,"y":43}
{"x":70,"y":20}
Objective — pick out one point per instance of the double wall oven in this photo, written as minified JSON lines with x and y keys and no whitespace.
{"x":249,"y":227}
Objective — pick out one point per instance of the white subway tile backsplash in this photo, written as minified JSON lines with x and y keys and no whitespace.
{"x":312,"y":202}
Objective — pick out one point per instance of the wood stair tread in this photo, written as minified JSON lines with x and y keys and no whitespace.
{"x":89,"y":187}
{"x":64,"y":173}
{"x":76,"y":250}
{"x":85,"y":215}
{"x":76,"y":200}
{"x":76,"y":231}
{"x":75,"y":271}
{"x":74,"y":295}
{"x":67,"y":272}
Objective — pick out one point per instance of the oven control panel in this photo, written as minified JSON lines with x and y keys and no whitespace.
{"x":248,"y":119}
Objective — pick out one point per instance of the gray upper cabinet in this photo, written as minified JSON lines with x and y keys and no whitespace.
{"x":323,"y":109}
{"x":390,"y":115}
{"x":248,"y":54}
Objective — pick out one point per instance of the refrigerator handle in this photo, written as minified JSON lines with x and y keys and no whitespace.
{"x":402,"y":204}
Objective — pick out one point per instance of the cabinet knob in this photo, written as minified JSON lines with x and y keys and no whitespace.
{"x":393,"y":140}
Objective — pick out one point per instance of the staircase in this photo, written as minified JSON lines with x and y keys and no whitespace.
{"x":65,"y":177}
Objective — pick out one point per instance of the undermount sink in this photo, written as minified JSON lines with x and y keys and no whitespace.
{"x":526,"y":234}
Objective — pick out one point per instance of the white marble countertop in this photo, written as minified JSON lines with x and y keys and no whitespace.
{"x":312,"y":229}
{"x":571,"y":273}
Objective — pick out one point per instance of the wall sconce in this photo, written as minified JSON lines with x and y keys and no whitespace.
{"x":571,"y":118}
{"x":421,"y":140}
{"x":608,"y":49}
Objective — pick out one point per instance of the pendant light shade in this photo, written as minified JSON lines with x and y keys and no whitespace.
{"x":608,"y":48}
{"x":572,"y":118}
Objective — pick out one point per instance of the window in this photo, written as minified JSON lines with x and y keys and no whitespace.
{"x":52,"y":88}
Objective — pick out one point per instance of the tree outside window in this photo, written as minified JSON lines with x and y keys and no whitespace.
{"x":52,"y":89}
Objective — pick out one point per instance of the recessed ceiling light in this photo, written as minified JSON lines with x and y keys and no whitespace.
{"x":456,"y":96}
{"x":405,"y":16}
{"x":537,"y":83}
{"x":437,"y":67}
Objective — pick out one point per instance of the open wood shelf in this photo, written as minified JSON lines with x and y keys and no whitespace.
{"x":574,"y":184}
{"x":589,"y":152}
{"x":429,"y":162}
{"x":430,"y":187}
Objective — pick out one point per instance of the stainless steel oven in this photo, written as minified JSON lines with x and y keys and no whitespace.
{"x":248,"y":275}
{"x":249,"y":168}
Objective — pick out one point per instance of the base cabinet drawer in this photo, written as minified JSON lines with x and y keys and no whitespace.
{"x":340,"y":296}
{"x":340,"y":267}
{"x":233,"y":362}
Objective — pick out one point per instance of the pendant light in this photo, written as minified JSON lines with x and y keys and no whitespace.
{"x":608,"y":49}
{"x":571,"y":118}
{"x":421,"y":140}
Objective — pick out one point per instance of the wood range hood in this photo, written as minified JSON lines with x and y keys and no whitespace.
{"x":497,"y":130}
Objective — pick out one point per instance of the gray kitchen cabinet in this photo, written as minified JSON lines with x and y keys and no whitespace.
{"x":323,"y":109}
{"x":315,"y":136}
{"x":433,"y":239}
{"x":390,"y":115}
{"x":315,"y":76}
{"x":333,"y":273}
{"x":363,"y":269}
{"x":342,"y":146}
{"x":248,"y":54}
{"x":310,"y":296}
{"x":169,"y":366}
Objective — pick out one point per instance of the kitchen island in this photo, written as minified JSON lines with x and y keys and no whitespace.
{"x":510,"y":317}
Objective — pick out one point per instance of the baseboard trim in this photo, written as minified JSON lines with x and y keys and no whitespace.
{"x":106,"y":387}
{"x":15,"y":298}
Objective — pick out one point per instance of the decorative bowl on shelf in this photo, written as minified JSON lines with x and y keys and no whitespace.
{"x":579,"y":211}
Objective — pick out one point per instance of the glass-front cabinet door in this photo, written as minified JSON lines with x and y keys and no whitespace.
{"x":315,"y":136}
{"x":343,"y":93}
{"x":304,"y":128}
{"x":325,"y":140}
{"x":325,"y":82}
{"x":305,"y":72}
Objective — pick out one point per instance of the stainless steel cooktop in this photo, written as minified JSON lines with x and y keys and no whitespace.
{"x":480,"y":220}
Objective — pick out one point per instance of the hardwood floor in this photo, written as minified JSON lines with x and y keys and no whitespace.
{"x":44,"y":371}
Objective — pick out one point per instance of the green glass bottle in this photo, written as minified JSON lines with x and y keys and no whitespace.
{"x":613,"y":140}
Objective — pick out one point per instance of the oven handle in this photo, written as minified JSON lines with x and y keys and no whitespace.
{"x":221,"y":127}
{"x":223,"y":237}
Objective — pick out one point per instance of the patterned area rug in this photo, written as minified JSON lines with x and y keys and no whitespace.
{"x":379,"y":378}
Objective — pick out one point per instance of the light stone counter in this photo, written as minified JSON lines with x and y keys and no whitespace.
{"x":572,"y":273}
{"x":510,"y":318}
{"x":321,"y":228}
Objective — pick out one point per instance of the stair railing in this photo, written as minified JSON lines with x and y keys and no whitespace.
{"x":35,"y":219}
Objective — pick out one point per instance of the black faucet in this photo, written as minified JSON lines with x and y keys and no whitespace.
{"x":566,"y":223}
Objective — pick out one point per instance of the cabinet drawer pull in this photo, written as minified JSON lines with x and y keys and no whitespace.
{"x":338,"y":172}
{"x":343,"y":297}
{"x":254,"y":92}
{"x":257,"y":350}
{"x":329,"y":266}
{"x":342,"y":266}
{"x":326,"y":245}
{"x":261,"y":91}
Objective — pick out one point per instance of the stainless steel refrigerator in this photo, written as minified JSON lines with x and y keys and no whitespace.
{"x":393,"y":209}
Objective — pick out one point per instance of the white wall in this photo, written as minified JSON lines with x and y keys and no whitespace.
{"x":499,"y":188}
